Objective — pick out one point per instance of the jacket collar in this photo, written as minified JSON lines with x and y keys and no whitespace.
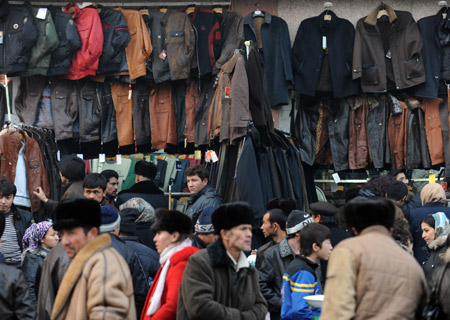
{"x":197,"y":195}
{"x":248,"y":19}
{"x":285,"y":249}
{"x":376,"y":229}
{"x":437,"y":243}
{"x":372,"y":17}
{"x":4,"y":9}
{"x":332,"y":22}
{"x":146,"y":187}
{"x":218,"y":255}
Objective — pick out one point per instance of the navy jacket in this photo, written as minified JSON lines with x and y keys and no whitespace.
{"x":308,"y":53}
{"x":415,"y":219}
{"x":276,"y":56}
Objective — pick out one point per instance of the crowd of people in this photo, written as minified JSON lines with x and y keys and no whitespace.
{"x":103,"y":254}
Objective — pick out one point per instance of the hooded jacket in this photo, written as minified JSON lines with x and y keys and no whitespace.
{"x":19,"y":35}
{"x":405,"y":52}
{"x":435,"y":255}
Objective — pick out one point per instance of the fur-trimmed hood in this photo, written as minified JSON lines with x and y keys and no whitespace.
{"x":437,"y":243}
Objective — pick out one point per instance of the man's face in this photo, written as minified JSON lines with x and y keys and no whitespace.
{"x":6,"y":203}
{"x":195,"y":183}
{"x":75,"y":239}
{"x":402,"y":177}
{"x":240,"y":237}
{"x":96,"y":194}
{"x":111,"y":187}
{"x":267,"y":228}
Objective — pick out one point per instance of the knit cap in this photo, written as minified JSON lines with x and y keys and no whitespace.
{"x":204,"y":223}
{"x":110,"y":219}
{"x":296,"y":220}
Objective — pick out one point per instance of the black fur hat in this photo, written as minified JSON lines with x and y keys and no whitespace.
{"x":232,"y":214}
{"x":171,"y":221}
{"x":77,"y":213}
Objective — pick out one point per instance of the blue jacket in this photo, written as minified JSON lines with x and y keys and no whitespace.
{"x":208,"y":196}
{"x":299,"y":281}
{"x":277,"y":56}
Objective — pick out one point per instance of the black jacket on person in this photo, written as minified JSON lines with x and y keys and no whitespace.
{"x":32,"y":269}
{"x":145,"y":190}
{"x":19,"y":36}
{"x":22,"y":220}
{"x":15,"y":298}
{"x":308,"y":54}
{"x":69,"y":42}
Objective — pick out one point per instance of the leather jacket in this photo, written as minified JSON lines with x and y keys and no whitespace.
{"x":417,"y":154}
{"x":397,"y":139}
{"x":358,"y":145}
{"x":27,"y":98}
{"x":377,"y":130}
{"x":63,"y":99}
{"x":338,"y":123}
{"x":433,"y":129}
{"x":208,"y":196}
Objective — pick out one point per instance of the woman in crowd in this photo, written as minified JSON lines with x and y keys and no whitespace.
{"x":435,"y":229}
{"x":37,"y":242}
{"x":174,"y":244}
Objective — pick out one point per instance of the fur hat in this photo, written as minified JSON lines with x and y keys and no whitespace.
{"x":171,"y":221}
{"x":323,"y":208}
{"x":296,"y":220}
{"x":128,"y":219}
{"x":232,"y":214}
{"x":77,"y":213}
{"x":204,"y":222}
{"x":110,"y":219}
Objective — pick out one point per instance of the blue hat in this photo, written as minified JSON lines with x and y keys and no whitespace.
{"x":110,"y":219}
{"x":204,"y":223}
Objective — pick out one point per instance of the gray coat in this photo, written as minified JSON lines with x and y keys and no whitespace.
{"x":208,"y":196}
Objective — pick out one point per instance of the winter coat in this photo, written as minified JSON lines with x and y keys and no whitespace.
{"x":358,"y":144}
{"x":444,"y":294}
{"x":145,"y":190}
{"x":89,"y":27}
{"x":277,"y":55}
{"x":19,"y":35}
{"x":208,"y":196}
{"x":69,"y":42}
{"x":261,"y":251}
{"x":397,"y":136}
{"x":72,"y":191}
{"x":115,"y":40}
{"x":433,"y":129}
{"x":22,"y":220}
{"x":417,"y":154}
{"x":169,"y":298}
{"x":377,"y":130}
{"x":435,"y":256}
{"x":415,"y":219}
{"x":369,"y":56}
{"x":276,"y":261}
{"x":97,"y":284}
{"x":363,"y":281}
{"x":15,"y":298}
{"x":46,"y":43}
{"x":308,"y":54}
{"x":211,"y":286}
{"x":32,"y":268}
{"x":54,"y":268}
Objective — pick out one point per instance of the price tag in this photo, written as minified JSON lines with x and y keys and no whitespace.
{"x":58,"y":155}
{"x":198,"y":155}
{"x":178,"y":165}
{"x":432,"y":178}
{"x":227,"y":92}
{"x":101,"y":158}
{"x":324,"y":43}
{"x":444,"y":185}
{"x":80,"y":155}
{"x":214,"y":156}
{"x":336,"y":177}
{"x":334,"y":187}
{"x":163,"y":55}
{"x":208,"y":156}
{"x":42,"y":13}
{"x":119,"y":159}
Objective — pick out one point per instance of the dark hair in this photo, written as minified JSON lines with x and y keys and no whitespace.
{"x":285,"y":204}
{"x":108,"y":174}
{"x":379,"y":185}
{"x":351,"y":193}
{"x":72,"y":167}
{"x":94,"y":180}
{"x":401,"y":231}
{"x":146,"y":169}
{"x":397,"y":190}
{"x":310,"y":234}
{"x":198,"y":170}
{"x":429,"y":220}
{"x":7,"y":188}
{"x":2,"y":224}
{"x":364,"y":213}
{"x":395,"y":172}
{"x":278,"y":216}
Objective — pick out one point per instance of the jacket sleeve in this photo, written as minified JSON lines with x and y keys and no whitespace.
{"x":147,"y":42}
{"x":189,"y":38}
{"x":357,"y":51}
{"x":30,"y":269}
{"x":95,"y":41}
{"x":121,"y":36}
{"x":22,"y":302}
{"x":300,"y":285}
{"x":30,"y":34}
{"x":52,"y":40}
{"x":73,"y":38}
{"x":340,"y":289}
{"x":413,"y":41}
{"x":286,"y":52}
{"x":266,"y":282}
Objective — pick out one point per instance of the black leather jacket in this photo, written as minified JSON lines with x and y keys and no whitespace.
{"x":417,"y":154}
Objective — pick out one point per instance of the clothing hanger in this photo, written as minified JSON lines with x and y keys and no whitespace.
{"x":444,"y":9}
{"x":382,"y":11}
{"x":327,"y":6}
{"x":190,"y":8}
{"x":163,"y":9}
{"x":218,"y":9}
{"x":257,"y":12}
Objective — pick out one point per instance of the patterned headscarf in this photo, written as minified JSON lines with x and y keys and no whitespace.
{"x":34,"y":234}
{"x":441,"y":224}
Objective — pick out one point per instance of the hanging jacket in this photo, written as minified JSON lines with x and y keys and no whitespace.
{"x":405,"y":46}
{"x":46,"y":43}
{"x":162,"y":116}
{"x":19,"y":35}
{"x":27,"y":98}
{"x":433,"y":129}
{"x":397,"y":137}
{"x":417,"y":154}
{"x":108,"y":113}
{"x":124,"y":112}
{"x":308,"y":54}
{"x":63,"y":99}
{"x":338,"y":124}
{"x":377,"y":130}
{"x":358,"y":145}
{"x":141,"y":112}
{"x":69,"y":42}
{"x":276,"y":53}
{"x":89,"y":110}
{"x":89,"y":26}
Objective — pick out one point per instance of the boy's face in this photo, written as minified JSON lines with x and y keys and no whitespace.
{"x":96,"y":194}
{"x":325,"y":250}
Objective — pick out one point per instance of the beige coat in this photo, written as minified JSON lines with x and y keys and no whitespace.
{"x":370,"y":277}
{"x":97,"y":285}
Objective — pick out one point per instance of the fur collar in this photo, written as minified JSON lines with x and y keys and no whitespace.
{"x":39,"y":251}
{"x":437,"y":243}
{"x":218,"y":255}
{"x":75,"y":269}
{"x":372,"y":17}
{"x":285,"y":249}
{"x":447,"y":256}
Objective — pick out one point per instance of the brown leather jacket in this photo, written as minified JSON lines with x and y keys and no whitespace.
{"x":405,"y":43}
{"x":397,"y":137}
{"x":358,"y":144}
{"x":10,"y":145}
{"x":162,"y":116}
{"x":192,"y":97}
{"x":124,"y":112}
{"x":433,"y":128}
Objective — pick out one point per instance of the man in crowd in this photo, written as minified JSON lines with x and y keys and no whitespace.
{"x":72,"y":172}
{"x":112,"y":184}
{"x":204,"y":233}
{"x":16,"y":222}
{"x":98,"y":282}
{"x":397,"y":191}
{"x":218,"y":281}
{"x":277,"y":258}
{"x":202,"y":194}
{"x":15,"y":298}
{"x":397,"y":283}
{"x":412,"y":201}
{"x":94,"y":187}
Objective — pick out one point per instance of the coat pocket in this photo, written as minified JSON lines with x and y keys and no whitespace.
{"x":414,"y":68}
{"x":370,"y":74}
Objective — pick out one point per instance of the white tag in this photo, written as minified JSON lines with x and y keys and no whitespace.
{"x":58,"y":155}
{"x":118,"y":159}
{"x":101,"y":158}
{"x":324,"y":43}
{"x":336,"y":177}
{"x":333,"y":187}
{"x":214,"y":157}
{"x":42,"y":13}
{"x":80,"y":155}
